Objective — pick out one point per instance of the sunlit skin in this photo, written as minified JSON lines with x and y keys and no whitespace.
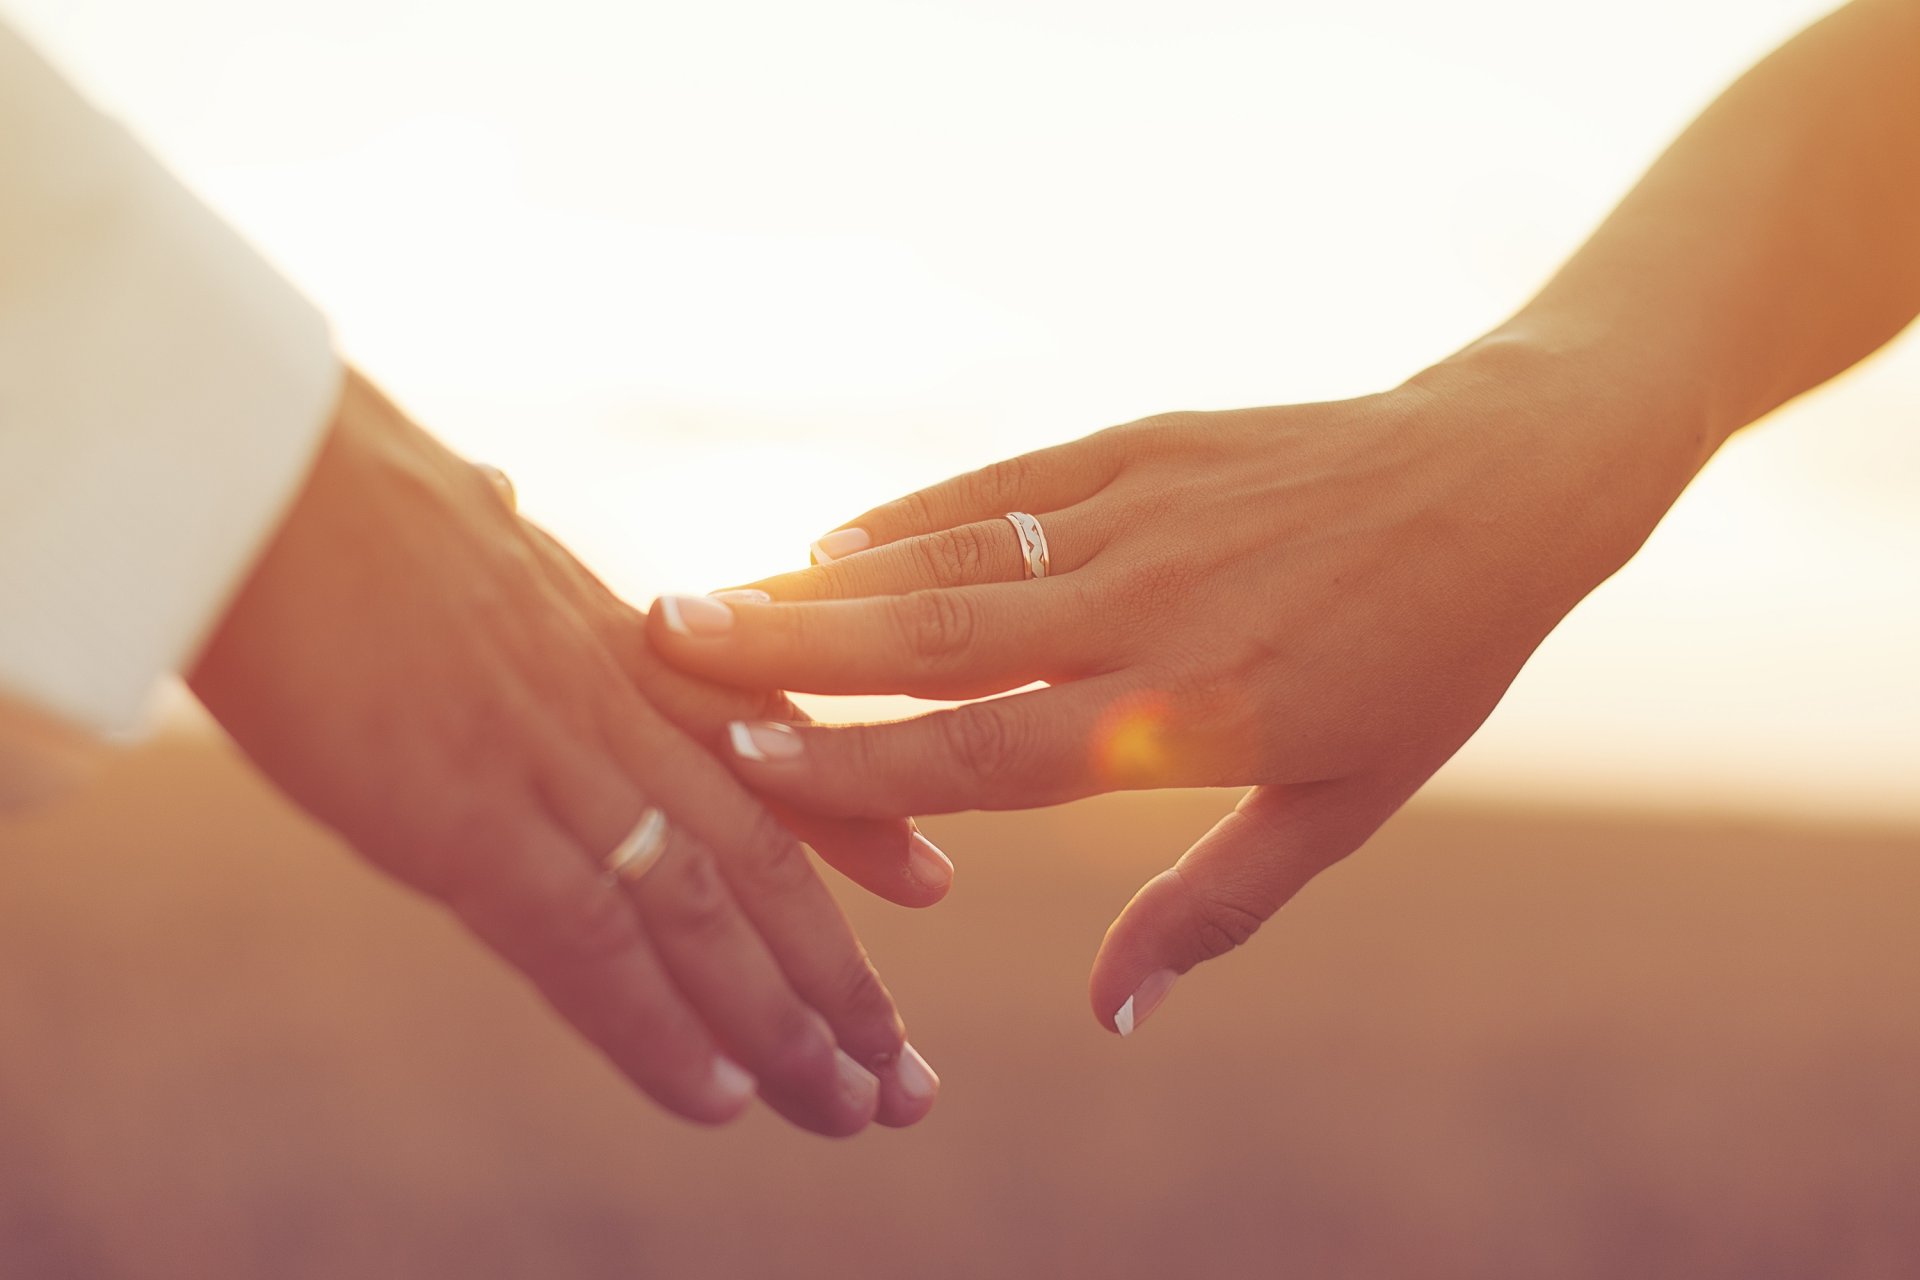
{"x":1327,"y":600}
{"x":430,"y":675}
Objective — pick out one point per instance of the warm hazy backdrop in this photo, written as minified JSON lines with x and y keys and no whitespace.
{"x":1630,"y":993}
{"x":710,"y":278}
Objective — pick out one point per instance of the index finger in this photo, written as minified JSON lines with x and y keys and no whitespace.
{"x":1019,"y":752}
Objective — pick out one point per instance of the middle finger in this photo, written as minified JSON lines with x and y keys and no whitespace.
{"x":964,"y":643}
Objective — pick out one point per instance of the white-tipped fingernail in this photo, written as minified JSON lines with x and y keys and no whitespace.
{"x":858,"y":1085}
{"x":744,"y":595}
{"x":696,"y":616}
{"x":1145,"y":999}
{"x":841,"y":542}
{"x":764,"y":741}
{"x":916,"y":1077}
{"x":731,"y":1081}
{"x":927,"y":865}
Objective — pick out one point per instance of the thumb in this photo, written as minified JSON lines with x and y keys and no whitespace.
{"x":1224,"y":888}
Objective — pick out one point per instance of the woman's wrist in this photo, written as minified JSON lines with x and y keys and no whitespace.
{"x":1608,"y":438}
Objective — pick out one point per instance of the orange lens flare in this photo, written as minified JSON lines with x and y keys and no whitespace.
{"x":1130,"y":746}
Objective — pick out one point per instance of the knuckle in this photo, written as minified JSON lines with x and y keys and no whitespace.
{"x":776,"y":865}
{"x":981,"y":741}
{"x":1152,"y":588}
{"x":915,"y":511}
{"x":462,"y":854}
{"x":1001,"y":484}
{"x":1159,"y":436}
{"x":693,"y":898}
{"x":951,"y":557}
{"x":801,"y":1047}
{"x":863,"y":1001}
{"x":935,"y":625}
{"x":1215,"y":706}
{"x":481,"y":736}
{"x":1221,"y":924}
{"x":594,"y":928}
{"x":841,"y":580}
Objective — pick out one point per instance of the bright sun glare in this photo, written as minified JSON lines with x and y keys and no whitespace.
{"x":711,"y":278}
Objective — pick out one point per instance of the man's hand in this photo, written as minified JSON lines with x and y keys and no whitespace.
{"x":441,"y":684}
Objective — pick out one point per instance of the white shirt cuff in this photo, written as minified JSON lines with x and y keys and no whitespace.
{"x":162,"y":391}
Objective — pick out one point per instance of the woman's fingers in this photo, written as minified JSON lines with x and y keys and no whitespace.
{"x":1021,"y":752}
{"x":985,"y":551}
{"x":788,"y":907}
{"x":963,"y":643}
{"x":1045,"y":480}
{"x":1237,"y":875}
{"x":545,"y":911}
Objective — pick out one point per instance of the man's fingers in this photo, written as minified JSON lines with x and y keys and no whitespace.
{"x":963,"y":643}
{"x":1045,"y":480}
{"x":714,"y":956}
{"x":724,"y":969}
{"x":1031,"y":749}
{"x":545,"y":911}
{"x":788,"y":906}
{"x":1237,"y":875}
{"x":975,"y":554}
{"x":888,"y":857}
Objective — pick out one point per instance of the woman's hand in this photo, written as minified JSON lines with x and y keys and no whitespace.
{"x":1324,"y":600}
{"x":439,"y":682}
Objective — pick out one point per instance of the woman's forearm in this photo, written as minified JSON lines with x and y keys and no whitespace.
{"x":1776,"y":243}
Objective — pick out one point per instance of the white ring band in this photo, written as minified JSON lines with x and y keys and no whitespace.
{"x":635,"y":856}
{"x":1033,"y":543}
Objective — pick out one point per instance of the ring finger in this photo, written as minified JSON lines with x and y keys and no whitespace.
{"x":985,"y":551}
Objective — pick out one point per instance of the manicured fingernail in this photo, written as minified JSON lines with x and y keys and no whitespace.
{"x":1141,"y":1004}
{"x":841,"y":542}
{"x":927,"y":866}
{"x":917,"y":1079}
{"x":696,"y":615}
{"x":731,"y":1081}
{"x":857,"y":1084}
{"x":744,"y":595}
{"x":764,"y":741}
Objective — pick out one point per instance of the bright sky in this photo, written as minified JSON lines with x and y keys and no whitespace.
{"x":708,"y":278}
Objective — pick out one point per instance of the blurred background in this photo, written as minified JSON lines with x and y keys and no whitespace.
{"x":1628,"y":991}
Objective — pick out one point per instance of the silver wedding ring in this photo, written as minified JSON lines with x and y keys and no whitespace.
{"x":1033,"y":543}
{"x":635,"y":856}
